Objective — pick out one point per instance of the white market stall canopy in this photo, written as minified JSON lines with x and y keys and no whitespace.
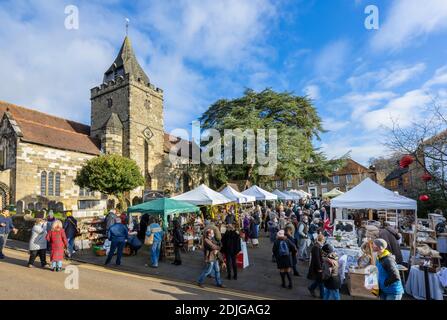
{"x":202,"y":196}
{"x":301,"y":193}
{"x":293,"y":196}
{"x":370,"y":195}
{"x":282,"y":195}
{"x":333,"y":193}
{"x":236,"y":196}
{"x":260,"y":194}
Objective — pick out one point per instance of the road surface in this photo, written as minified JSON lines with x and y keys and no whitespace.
{"x":96,"y":282}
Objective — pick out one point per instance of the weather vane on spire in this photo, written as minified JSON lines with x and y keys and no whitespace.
{"x":127,"y":26}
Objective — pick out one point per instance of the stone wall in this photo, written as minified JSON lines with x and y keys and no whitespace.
{"x":32,"y":160}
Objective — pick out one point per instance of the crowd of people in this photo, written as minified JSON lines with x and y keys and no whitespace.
{"x":297,"y":233}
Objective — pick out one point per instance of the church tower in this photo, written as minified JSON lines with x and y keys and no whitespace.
{"x":127,"y":115}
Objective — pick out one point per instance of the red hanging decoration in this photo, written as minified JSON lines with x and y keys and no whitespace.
{"x":405,"y":161}
{"x":424,"y":198}
{"x":426,"y":177}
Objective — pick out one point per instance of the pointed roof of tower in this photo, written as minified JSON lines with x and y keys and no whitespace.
{"x":126,"y":63}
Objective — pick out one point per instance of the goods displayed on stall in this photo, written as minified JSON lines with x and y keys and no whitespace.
{"x":167,"y":209}
{"x":92,"y":233}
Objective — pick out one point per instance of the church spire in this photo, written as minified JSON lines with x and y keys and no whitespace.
{"x":126,"y":63}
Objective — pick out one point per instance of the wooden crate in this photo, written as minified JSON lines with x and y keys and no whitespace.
{"x":356,"y":286}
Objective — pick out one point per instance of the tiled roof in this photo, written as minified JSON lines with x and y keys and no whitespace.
{"x":351,"y":167}
{"x":44,"y":129}
{"x":126,"y":63}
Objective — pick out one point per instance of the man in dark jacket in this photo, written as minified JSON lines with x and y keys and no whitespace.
{"x":6,"y":226}
{"x":316,"y":267}
{"x":179,"y":241}
{"x":391,"y":236}
{"x":231,"y":246}
{"x":118,"y":235}
{"x":71,"y":231}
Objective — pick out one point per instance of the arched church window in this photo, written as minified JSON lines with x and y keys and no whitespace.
{"x":43,"y":183}
{"x":109,"y":102}
{"x":58,"y":184}
{"x":51,"y":184}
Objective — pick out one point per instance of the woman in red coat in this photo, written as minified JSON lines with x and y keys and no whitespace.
{"x":58,"y":240}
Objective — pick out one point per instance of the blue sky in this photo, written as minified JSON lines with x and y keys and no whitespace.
{"x":200,"y":51}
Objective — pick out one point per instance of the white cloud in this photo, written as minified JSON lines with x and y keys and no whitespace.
{"x":409,"y":20}
{"x":386,"y":78}
{"x":440,"y":77}
{"x":404,"y":110}
{"x":312,"y":91}
{"x":360,"y":103}
{"x":220,"y":33}
{"x":332,"y":124}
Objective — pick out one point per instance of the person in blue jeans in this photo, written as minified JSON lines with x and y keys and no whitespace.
{"x":118,"y":235}
{"x":211,"y":260}
{"x":155,"y":229}
{"x":331,"y":278}
{"x":6,"y":226}
{"x":71,"y":231}
{"x":390,"y":284}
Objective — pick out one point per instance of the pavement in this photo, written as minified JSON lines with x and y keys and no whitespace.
{"x":259,"y":281}
{"x":18,"y":282}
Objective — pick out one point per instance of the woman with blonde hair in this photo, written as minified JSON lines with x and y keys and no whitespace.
{"x":58,"y":240}
{"x":38,"y":243}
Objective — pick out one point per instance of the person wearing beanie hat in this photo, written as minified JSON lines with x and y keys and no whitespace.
{"x":380,"y":244}
{"x":331,"y":277}
{"x":71,"y":231}
{"x":282,"y":250}
{"x":390,"y":284}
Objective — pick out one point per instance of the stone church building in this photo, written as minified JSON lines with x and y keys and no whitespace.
{"x":40,"y":154}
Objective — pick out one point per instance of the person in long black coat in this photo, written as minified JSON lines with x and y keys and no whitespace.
{"x":284,"y":262}
{"x":179,"y":242}
{"x":289,"y":234}
{"x":144,"y":222}
{"x":316,"y":267}
{"x":231,"y":246}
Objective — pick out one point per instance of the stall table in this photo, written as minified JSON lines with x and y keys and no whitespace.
{"x":415,"y":285}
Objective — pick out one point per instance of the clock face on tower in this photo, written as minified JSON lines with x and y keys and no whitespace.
{"x":147,"y":133}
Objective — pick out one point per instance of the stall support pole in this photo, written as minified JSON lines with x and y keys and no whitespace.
{"x":427,"y":284}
